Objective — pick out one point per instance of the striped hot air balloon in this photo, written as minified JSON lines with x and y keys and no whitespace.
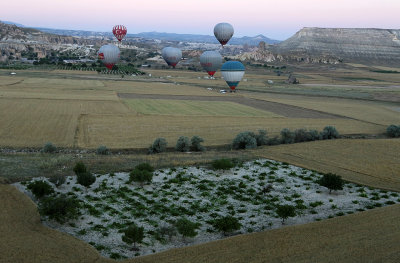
{"x":171,"y":55}
{"x":211,"y":61}
{"x":233,"y":72}
{"x":223,"y":32}
{"x":119,"y":32}
{"x":109,"y":55}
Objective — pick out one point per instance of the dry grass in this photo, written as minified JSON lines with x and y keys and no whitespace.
{"x":136,"y":131}
{"x":369,"y":162}
{"x":353,"y":238}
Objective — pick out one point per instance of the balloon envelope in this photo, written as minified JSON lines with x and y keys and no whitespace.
{"x":119,"y":32}
{"x":171,"y":55}
{"x":223,"y":32}
{"x":211,"y":61}
{"x":233,"y":72}
{"x":109,"y":55}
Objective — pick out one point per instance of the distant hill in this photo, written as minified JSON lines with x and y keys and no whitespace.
{"x":345,"y":44}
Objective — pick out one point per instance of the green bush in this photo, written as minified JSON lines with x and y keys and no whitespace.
{"x":57,"y":179}
{"x":285,"y":211}
{"x":245,"y":140}
{"x":183,"y":144}
{"x":287,"y":136}
{"x":140,"y":176}
{"x":86,"y":179}
{"x":133,"y":234}
{"x":186,"y":227}
{"x":145,"y":167}
{"x":274,"y":141}
{"x":393,"y":131}
{"x":227,"y":224}
{"x":196,"y":144}
{"x":331,"y":181}
{"x":222,"y":164}
{"x":79,"y":168}
{"x":102,"y":150}
{"x":60,"y":208}
{"x":302,"y":135}
{"x":165,"y":230}
{"x":159,"y":146}
{"x":314,"y":135}
{"x":40,"y":188}
{"x":49,"y":148}
{"x":329,"y":132}
{"x":262,"y":138}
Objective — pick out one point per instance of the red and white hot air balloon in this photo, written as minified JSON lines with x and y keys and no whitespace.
{"x":109,"y":55}
{"x":119,"y":32}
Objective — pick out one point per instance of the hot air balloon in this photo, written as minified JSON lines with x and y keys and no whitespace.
{"x":223,"y":32}
{"x":171,"y":55}
{"x":109,"y":55}
{"x":119,"y":32}
{"x":211,"y":61}
{"x":233,"y":72}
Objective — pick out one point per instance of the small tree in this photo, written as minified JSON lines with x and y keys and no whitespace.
{"x":60,"y":208}
{"x":40,"y":188}
{"x":227,"y":224}
{"x":274,"y":141}
{"x":331,"y":181}
{"x":262,"y":138}
{"x":167,"y":230}
{"x":158,"y":146}
{"x":79,"y":168}
{"x":49,"y":148}
{"x":301,"y":135}
{"x":86,"y":179}
{"x":140,"y":176}
{"x":57,"y":179}
{"x":286,"y":211}
{"x":186,"y":227}
{"x":183,"y":144}
{"x":222,"y":164}
{"x":287,"y":136}
{"x":196,"y":144}
{"x":314,"y":135}
{"x":329,"y":132}
{"x":393,"y":131}
{"x":245,"y":140}
{"x":133,"y":234}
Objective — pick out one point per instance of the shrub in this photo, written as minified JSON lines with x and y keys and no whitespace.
{"x":102,"y":150}
{"x":245,"y":140}
{"x":183,"y":144}
{"x":57,"y":180}
{"x":196,"y":144}
{"x":222,"y":164}
{"x":169,"y":231}
{"x":159,"y":146}
{"x":40,"y":188}
{"x":331,"y":181}
{"x":302,"y":135}
{"x":140,"y":176}
{"x":79,"y":168}
{"x":285,"y":211}
{"x":329,"y":132}
{"x":86,"y":179}
{"x":287,"y":136}
{"x":261,"y":138}
{"x":314,"y":135}
{"x":60,"y":208}
{"x":273,"y":141}
{"x":133,"y":234}
{"x":145,"y":167}
{"x":227,"y":224}
{"x":186,"y":227}
{"x":393,"y":131}
{"x":49,"y":148}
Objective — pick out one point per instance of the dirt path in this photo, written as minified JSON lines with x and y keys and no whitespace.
{"x":285,"y":110}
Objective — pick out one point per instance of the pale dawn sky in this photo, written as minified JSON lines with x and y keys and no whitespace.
{"x":278,"y":19}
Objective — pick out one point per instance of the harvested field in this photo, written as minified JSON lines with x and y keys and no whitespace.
{"x":194,"y":108}
{"x":374,"y":163}
{"x":277,"y":108}
{"x":135,"y":131}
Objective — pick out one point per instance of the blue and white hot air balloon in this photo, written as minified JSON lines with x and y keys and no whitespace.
{"x":233,"y":72}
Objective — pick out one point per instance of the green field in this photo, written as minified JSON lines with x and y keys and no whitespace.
{"x":194,"y":108}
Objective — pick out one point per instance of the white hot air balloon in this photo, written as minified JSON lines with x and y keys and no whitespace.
{"x":109,"y":55}
{"x":171,"y":55}
{"x":211,"y":61}
{"x":233,"y":72}
{"x":223,"y":32}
